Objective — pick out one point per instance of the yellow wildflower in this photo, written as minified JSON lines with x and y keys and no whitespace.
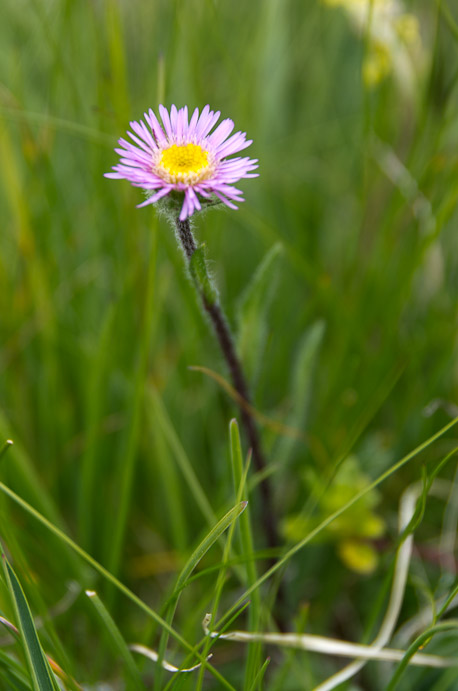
{"x":393,"y":39}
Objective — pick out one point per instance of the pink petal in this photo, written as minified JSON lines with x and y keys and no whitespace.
{"x":193,"y":123}
{"x":221,"y":133}
{"x":166,"y":120}
{"x":151,"y":200}
{"x":157,"y":130}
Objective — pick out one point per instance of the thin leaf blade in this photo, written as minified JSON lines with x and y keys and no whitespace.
{"x":42,"y":677}
{"x":253,"y":309}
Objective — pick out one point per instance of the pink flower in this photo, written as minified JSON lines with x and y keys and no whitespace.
{"x":182,"y":155}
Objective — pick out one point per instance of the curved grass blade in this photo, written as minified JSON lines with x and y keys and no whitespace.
{"x":112,"y":579}
{"x":118,"y":642}
{"x":154,"y":656}
{"x":260,"y":675}
{"x":220,"y":581}
{"x":274,"y":425}
{"x":334,"y":646}
{"x":203,"y":547}
{"x":451,"y":624}
{"x":208,"y":541}
{"x":313,"y":533}
{"x":27,"y":477}
{"x":11,"y":628}
{"x":40,"y":671}
{"x":5,"y":447}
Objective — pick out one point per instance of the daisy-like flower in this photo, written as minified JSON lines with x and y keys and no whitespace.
{"x":182,"y":156}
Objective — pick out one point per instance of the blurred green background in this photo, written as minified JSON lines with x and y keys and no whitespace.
{"x":100,"y":325}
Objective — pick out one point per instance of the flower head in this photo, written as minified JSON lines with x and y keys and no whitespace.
{"x":182,"y":156}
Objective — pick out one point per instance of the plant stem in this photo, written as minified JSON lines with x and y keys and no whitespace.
{"x":226,"y":342}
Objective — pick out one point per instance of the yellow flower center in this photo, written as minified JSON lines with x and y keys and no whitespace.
{"x":186,"y":163}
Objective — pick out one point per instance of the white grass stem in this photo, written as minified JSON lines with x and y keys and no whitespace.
{"x":401,"y":568}
{"x":153,"y":655}
{"x":329,"y":646}
{"x":375,"y":651}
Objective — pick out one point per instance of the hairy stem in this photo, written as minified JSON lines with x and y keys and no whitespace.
{"x":226,"y":342}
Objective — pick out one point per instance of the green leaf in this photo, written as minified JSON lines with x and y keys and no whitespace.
{"x":301,"y":386}
{"x":252,"y":312}
{"x":40,"y":671}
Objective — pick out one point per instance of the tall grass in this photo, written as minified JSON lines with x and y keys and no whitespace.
{"x":121,"y":438}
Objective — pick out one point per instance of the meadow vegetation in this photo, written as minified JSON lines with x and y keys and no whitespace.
{"x":123,"y":510}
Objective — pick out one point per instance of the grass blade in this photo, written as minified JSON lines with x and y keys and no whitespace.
{"x":450,"y":625}
{"x":181,"y":458}
{"x":40,"y":672}
{"x":253,"y":309}
{"x":119,"y":644}
{"x":129,"y":449}
{"x":301,"y":384}
{"x":247,"y":542}
{"x":203,"y":547}
{"x":111,"y":579}
{"x":313,"y":533}
{"x":12,"y":674}
{"x":208,"y":541}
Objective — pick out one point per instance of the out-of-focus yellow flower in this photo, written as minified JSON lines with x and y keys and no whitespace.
{"x":358,"y":556}
{"x":408,"y":29}
{"x":353,"y":529}
{"x":377,"y":64}
{"x":393,"y":39}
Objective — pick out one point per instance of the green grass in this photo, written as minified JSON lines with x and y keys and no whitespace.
{"x":339,"y":275}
